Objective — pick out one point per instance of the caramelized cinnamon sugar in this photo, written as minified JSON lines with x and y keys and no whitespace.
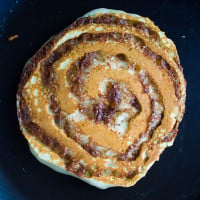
{"x":103,"y":98}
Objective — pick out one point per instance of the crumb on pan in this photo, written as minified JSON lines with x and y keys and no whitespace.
{"x":13,"y":37}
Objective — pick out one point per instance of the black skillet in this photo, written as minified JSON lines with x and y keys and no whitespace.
{"x":175,"y":176}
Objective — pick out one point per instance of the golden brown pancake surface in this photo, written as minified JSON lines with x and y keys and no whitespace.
{"x":102,"y":99}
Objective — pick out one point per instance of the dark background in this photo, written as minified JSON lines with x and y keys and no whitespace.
{"x":175,"y":176}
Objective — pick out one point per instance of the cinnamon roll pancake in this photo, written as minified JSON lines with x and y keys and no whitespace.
{"x":102,"y":99}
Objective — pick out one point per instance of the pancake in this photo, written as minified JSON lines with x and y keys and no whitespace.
{"x":101,"y":100}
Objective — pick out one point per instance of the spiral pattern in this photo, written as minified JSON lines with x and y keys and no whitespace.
{"x":103,"y":98}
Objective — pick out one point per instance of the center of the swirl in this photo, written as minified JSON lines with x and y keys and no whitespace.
{"x":114,"y":107}
{"x":115,"y":104}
